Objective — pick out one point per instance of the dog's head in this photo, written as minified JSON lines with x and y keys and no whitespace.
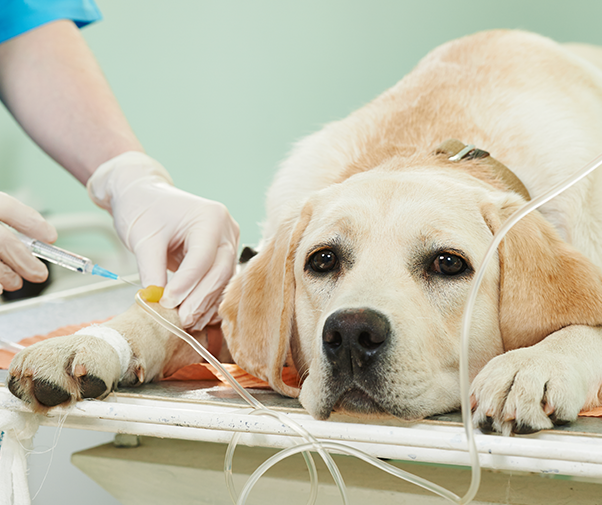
{"x":365,"y":287}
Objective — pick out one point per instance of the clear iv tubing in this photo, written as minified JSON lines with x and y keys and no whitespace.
{"x":256,"y":404}
{"x":312,"y":442}
{"x":467,"y":316}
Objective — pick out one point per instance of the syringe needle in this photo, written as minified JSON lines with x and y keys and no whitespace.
{"x":123,"y":279}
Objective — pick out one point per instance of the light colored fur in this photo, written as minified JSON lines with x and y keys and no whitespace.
{"x":64,"y":362}
{"x":372,"y":183}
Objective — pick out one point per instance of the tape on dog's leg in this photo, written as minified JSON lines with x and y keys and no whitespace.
{"x":114,"y":339}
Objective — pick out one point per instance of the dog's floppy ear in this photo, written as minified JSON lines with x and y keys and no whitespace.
{"x":545,"y":283}
{"x":258,"y":306}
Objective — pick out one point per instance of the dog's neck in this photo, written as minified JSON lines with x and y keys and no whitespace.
{"x":451,"y":154}
{"x":456,"y":151}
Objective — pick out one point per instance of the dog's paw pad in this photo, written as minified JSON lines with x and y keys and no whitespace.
{"x":49,"y":395}
{"x":14,"y":386}
{"x":92,"y":387}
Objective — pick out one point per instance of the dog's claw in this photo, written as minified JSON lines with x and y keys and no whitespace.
{"x":523,"y":429}
{"x":510,"y":416}
{"x":140,"y":374}
{"x":79,"y":370}
{"x":486,"y":425}
{"x":473,"y":403}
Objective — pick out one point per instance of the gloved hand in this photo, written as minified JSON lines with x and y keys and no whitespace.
{"x":16,"y":261}
{"x":167,"y":228}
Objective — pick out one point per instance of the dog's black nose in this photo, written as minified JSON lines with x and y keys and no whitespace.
{"x":353,"y":338}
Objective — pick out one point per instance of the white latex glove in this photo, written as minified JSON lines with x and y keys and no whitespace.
{"x":167,"y":228}
{"x":16,"y":261}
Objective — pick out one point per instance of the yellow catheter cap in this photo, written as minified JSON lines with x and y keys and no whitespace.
{"x":151,"y":294}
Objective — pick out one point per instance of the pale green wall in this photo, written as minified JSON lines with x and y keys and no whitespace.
{"x":218,"y":91}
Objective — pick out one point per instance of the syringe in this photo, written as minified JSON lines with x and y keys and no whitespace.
{"x":64,"y":258}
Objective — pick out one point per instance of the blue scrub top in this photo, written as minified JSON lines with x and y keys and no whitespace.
{"x":20,"y":16}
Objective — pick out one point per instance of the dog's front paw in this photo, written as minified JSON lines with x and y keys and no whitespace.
{"x":62,"y":370}
{"x":526,"y":390}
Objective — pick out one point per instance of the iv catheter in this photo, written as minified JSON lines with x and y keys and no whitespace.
{"x":66,"y":259}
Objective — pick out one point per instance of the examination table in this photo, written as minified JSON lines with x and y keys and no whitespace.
{"x":172,"y":436}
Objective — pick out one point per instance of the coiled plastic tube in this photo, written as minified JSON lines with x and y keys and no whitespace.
{"x":259,"y":409}
{"x":312,"y":442}
{"x":228,"y":459}
{"x":351,"y":451}
{"x":322,"y":446}
{"x":474,"y":290}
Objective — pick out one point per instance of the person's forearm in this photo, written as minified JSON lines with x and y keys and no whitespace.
{"x":53,"y":86}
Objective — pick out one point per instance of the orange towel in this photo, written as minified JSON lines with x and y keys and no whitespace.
{"x":597,"y":412}
{"x":205,"y":371}
{"x":7,"y":356}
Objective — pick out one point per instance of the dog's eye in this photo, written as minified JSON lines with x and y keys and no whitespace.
{"x":449,"y":264}
{"x":323,"y":261}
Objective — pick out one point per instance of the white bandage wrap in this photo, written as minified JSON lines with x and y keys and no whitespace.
{"x":115,"y":340}
{"x":17,"y":430}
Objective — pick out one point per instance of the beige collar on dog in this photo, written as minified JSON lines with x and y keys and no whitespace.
{"x":457,"y":151}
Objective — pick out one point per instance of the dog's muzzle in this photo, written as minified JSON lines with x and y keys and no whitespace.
{"x":353,"y":340}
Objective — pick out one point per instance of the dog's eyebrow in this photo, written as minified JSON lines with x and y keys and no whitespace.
{"x":336,"y":242}
{"x":439,"y":241}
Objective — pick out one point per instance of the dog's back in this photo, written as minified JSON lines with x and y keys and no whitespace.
{"x":534,"y":104}
{"x":593,"y":54}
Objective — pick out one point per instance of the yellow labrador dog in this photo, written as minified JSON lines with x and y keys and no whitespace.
{"x":375,"y":227}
